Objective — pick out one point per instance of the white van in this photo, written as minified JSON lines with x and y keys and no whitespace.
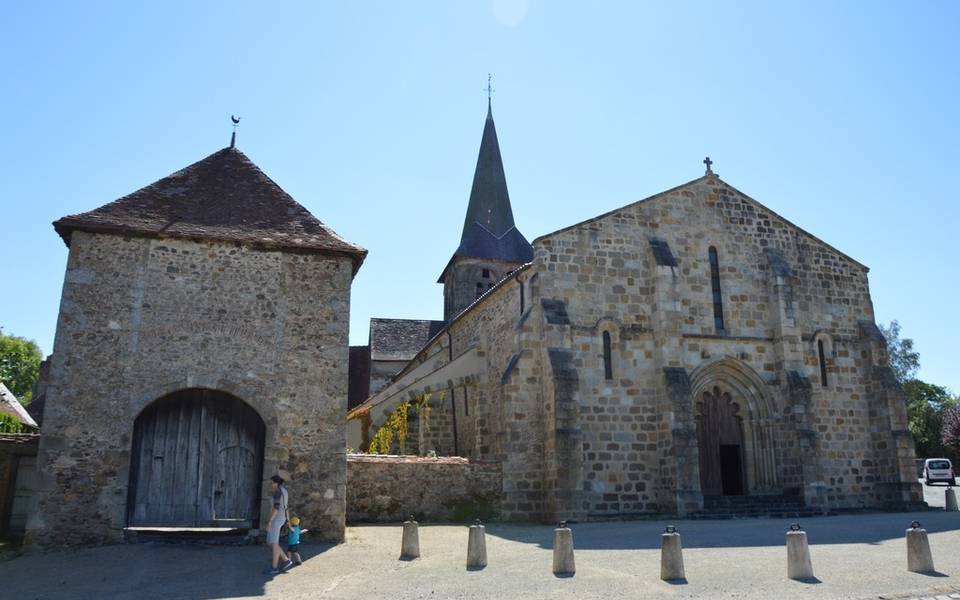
{"x":938,"y":469}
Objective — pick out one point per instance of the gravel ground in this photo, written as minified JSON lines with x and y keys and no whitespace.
{"x":857,"y":556}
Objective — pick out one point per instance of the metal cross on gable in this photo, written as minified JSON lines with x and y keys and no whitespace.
{"x":709,"y":164}
{"x":489,"y":89}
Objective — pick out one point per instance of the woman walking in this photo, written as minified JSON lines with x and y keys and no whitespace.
{"x":280,"y":514}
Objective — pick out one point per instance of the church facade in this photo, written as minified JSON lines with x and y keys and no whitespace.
{"x":668,"y":357}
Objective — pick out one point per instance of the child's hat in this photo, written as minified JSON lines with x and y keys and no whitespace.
{"x":295,"y":520}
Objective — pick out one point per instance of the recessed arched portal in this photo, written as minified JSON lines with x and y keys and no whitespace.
{"x":737,"y":421}
{"x":196,"y":461}
{"x":720,"y":442}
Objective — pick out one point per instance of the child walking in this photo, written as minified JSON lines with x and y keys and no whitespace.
{"x":293,"y":540}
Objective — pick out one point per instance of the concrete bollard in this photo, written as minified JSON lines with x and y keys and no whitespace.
{"x":563,"y":550}
{"x":477,"y":546}
{"x":950,"y":505}
{"x":671,"y":555}
{"x":799,"y":566}
{"x":410,"y":548}
{"x":919,"y":559}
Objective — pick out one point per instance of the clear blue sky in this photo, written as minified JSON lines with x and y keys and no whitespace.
{"x":841,"y":116}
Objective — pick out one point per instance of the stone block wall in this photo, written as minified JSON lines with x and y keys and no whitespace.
{"x":390,"y":488}
{"x":782,"y":291}
{"x":141,"y":318}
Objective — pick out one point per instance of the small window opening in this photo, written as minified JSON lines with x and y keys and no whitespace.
{"x":823,"y":363}
{"x":607,"y":356}
{"x":479,"y":289}
{"x":486,"y":273}
{"x":715,"y":284}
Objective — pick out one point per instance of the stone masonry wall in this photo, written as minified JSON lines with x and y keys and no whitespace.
{"x":605,"y":274}
{"x":141,"y":318}
{"x":390,"y":488}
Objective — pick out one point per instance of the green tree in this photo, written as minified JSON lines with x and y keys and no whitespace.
{"x":904,"y":360}
{"x":19,"y":365}
{"x":926,"y":406}
{"x":950,"y":431}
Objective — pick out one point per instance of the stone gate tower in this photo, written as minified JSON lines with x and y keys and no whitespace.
{"x":491,"y":247}
{"x":201,"y":347}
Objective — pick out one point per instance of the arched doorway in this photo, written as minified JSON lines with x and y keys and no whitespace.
{"x":196,"y":461}
{"x":720,"y":442}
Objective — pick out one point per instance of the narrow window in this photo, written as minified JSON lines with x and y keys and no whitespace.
{"x":479,"y":289}
{"x":823,"y":363}
{"x":466,"y":406}
{"x":715,"y":284}
{"x":607,"y":363}
{"x":486,"y":273}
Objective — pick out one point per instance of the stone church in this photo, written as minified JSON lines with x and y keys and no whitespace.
{"x":690,"y":353}
{"x":202,"y":346}
{"x":663,"y":358}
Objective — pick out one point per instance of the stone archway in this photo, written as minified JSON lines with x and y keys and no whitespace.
{"x":196,"y":461}
{"x":743,"y":411}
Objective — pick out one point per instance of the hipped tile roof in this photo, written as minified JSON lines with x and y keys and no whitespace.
{"x":224,"y":197}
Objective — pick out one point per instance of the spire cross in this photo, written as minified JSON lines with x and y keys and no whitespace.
{"x":709,"y":163}
{"x":489,"y":89}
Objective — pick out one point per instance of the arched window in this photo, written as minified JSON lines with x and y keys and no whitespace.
{"x":607,"y":358}
{"x":715,"y":284}
{"x":823,"y":363}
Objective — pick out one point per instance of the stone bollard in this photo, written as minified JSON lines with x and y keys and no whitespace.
{"x":919,"y":559}
{"x":410,"y":548}
{"x":671,"y":555}
{"x":951,"y":500}
{"x":799,"y":566}
{"x":477,"y":546}
{"x":563,"y":550}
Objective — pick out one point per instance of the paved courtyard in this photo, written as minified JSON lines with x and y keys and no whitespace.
{"x":859,"y":556}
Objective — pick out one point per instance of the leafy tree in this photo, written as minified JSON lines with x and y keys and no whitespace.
{"x":904,"y":360}
{"x":19,"y":365}
{"x":950,"y":432}
{"x":926,"y":407}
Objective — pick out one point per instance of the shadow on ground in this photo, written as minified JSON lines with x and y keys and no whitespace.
{"x":145,"y":571}
{"x":733,"y":533}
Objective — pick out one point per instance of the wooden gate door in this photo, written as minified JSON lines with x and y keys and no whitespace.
{"x":720,"y":441}
{"x":197,"y":461}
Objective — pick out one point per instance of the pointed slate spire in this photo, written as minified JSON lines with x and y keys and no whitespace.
{"x":489,"y":200}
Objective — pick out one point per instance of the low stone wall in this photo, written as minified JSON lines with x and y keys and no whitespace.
{"x":391,"y":488}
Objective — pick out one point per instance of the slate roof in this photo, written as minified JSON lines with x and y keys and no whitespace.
{"x":488,"y":228}
{"x":400,"y":339}
{"x":11,"y":406}
{"x":224,"y":197}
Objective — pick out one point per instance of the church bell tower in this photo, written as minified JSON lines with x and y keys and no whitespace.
{"x":491,"y":247}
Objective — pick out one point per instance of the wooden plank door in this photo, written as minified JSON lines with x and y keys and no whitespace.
{"x":719,"y":433}
{"x":197,"y":461}
{"x":164,"y":457}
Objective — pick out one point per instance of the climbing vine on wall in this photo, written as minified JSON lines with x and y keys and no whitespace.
{"x":395,"y":427}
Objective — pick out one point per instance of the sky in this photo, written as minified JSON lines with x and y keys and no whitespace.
{"x":840,"y":116}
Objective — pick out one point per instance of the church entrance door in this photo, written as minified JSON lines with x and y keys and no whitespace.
{"x":720,"y":440}
{"x":197,"y":461}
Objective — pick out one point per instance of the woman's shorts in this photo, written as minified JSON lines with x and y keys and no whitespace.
{"x":273,"y":531}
